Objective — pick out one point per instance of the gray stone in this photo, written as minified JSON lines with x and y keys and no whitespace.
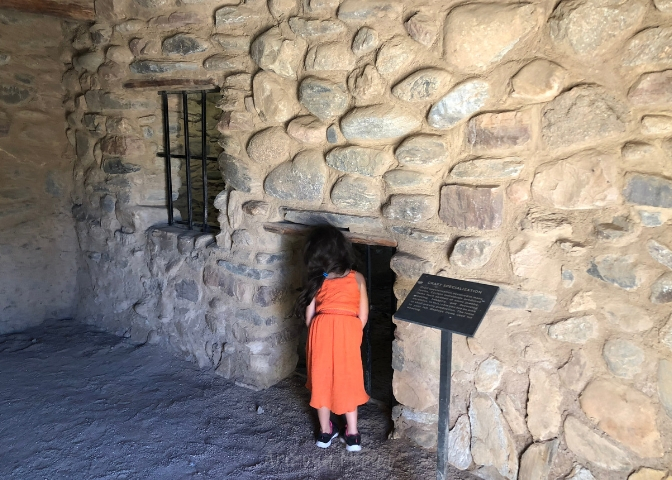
{"x":410,"y":208}
{"x":379,"y":122}
{"x":567,"y":277}
{"x":5,"y":124}
{"x":657,"y":125}
{"x":235,"y":16}
{"x":232,"y":44}
{"x":623,"y":358}
{"x":115,"y":166}
{"x":503,"y":130}
{"x":177,"y":20}
{"x":544,"y":403}
{"x":356,"y":193}
{"x":330,"y":56}
{"x":130,"y":26}
{"x":660,"y":253}
{"x":272,"y":258}
{"x":401,"y":179}
{"x":271,"y":51}
{"x":267,"y":296}
{"x":480,"y":34}
{"x":225,"y":63}
{"x":365,"y":41}
{"x":425,"y":85}
{"x":665,"y":385}
{"x":239,"y":81}
{"x":421,"y":235}
{"x":574,"y":330}
{"x":472,"y":252}
{"x":275,"y":97}
{"x":489,"y":168}
{"x":89,"y":61}
{"x":151,"y":3}
{"x":4,"y":58}
{"x":661,"y":290}
{"x":188,"y":290}
{"x":394,"y":55}
{"x":459,"y":444}
{"x":423,"y":28}
{"x":323,"y":98}
{"x":524,"y":300}
{"x":254,"y":208}
{"x":270,"y":146}
{"x":13,"y":95}
{"x":584,"y":114}
{"x":302,"y":179}
{"x":618,"y":228}
{"x":664,"y":6}
{"x":366,"y":83}
{"x":492,"y":443}
{"x":590,"y":446}
{"x":595,"y":26}
{"x":332,"y":134}
{"x":281,"y":9}
{"x":338,"y":220}
{"x":317,"y":28}
{"x":617,"y":270}
{"x":236,"y":173}
{"x":625,"y":414}
{"x":246,"y":271}
{"x":650,"y":219}
{"x":355,"y":10}
{"x":650,"y":49}
{"x":536,"y":461}
{"x":411,"y":266}
{"x":149,"y":67}
{"x":584,"y":181}
{"x":652,"y":89}
{"x":460,"y":103}
{"x":182,"y":44}
{"x":648,"y":190}
{"x":488,"y":375}
{"x":422,"y":150}
{"x":467,"y":207}
{"x":360,"y":160}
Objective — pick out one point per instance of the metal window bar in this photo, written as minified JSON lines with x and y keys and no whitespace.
{"x":203,"y":226}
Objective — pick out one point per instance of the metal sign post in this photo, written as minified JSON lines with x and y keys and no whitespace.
{"x":453,"y":306}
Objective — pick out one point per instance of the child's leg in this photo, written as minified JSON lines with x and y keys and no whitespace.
{"x":351,"y":418}
{"x":324,"y":414}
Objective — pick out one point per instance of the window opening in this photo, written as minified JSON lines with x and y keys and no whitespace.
{"x":193,"y":179}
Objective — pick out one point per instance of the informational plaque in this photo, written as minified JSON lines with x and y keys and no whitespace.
{"x":454,"y":305}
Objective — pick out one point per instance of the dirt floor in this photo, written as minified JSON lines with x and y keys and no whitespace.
{"x":76,"y":403}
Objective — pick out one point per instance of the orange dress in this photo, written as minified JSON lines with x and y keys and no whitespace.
{"x":333,"y":357}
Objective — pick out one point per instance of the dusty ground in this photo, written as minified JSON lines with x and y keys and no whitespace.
{"x":76,"y":403}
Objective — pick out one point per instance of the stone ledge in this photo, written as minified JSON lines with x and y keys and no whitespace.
{"x":186,"y":240}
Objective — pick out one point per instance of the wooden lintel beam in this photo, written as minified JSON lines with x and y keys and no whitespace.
{"x":83,"y":11}
{"x":171,"y":83}
{"x":286,"y":228}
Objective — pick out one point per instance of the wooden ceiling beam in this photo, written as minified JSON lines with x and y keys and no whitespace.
{"x":65,"y":9}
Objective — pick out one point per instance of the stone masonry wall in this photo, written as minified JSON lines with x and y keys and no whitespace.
{"x":527,"y":145}
{"x":38,"y":246}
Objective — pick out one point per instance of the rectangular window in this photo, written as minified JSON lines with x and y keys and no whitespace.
{"x":190,"y":150}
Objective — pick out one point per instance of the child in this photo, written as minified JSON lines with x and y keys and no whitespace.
{"x":336,"y":308}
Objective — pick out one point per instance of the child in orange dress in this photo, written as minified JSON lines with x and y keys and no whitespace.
{"x":336,"y":308}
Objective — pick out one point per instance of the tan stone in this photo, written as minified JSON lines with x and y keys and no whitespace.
{"x":270,"y":146}
{"x":657,"y":125}
{"x":307,"y":129}
{"x":356,"y":193}
{"x":647,"y":474}
{"x":394,"y":55}
{"x":625,"y":414}
{"x":412,"y":390}
{"x":539,"y":81}
{"x":583,"y":181}
{"x":544,"y":415}
{"x":488,"y":375}
{"x":514,"y":418}
{"x":330,"y":56}
{"x":591,"y":447}
{"x":518,"y":192}
{"x":366,"y":83}
{"x":665,"y":385}
{"x":271,"y":51}
{"x":576,"y":372}
{"x":425,"y":85}
{"x":477,"y":35}
{"x":275,"y":97}
{"x":652,"y":89}
{"x":628,"y":318}
{"x":531,"y":262}
{"x":423,"y":28}
{"x":535,"y":464}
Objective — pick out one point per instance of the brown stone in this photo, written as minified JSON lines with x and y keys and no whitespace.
{"x":652,"y":89}
{"x":123,"y":146}
{"x":423,"y":28}
{"x":275,"y":97}
{"x":235,"y":122}
{"x":625,"y":414}
{"x":468,"y":207}
{"x":307,"y":129}
{"x":496,"y":131}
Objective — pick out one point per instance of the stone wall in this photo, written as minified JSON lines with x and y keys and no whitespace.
{"x":522,"y":144}
{"x":38,"y":246}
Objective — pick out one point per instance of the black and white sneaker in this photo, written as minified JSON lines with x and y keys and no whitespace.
{"x":324,"y":439}
{"x":353,"y":443}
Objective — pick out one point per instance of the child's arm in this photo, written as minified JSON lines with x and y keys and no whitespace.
{"x":310,"y":313}
{"x":363,"y":299}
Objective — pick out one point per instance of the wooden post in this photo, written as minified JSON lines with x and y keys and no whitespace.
{"x":82,"y":10}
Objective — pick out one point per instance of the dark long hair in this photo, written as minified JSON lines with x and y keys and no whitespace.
{"x":326,"y":251}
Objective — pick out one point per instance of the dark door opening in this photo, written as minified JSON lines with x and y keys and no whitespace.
{"x":379,"y":331}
